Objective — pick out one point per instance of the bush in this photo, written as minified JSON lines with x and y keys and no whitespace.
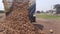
{"x":1,"y":11}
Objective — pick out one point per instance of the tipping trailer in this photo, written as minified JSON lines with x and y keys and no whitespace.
{"x":8,"y":4}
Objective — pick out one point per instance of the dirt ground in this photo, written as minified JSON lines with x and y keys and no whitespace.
{"x":50,"y":24}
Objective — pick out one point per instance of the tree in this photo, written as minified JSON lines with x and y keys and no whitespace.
{"x":42,"y":11}
{"x":57,"y":7}
{"x":38,"y":11}
{"x":1,"y":11}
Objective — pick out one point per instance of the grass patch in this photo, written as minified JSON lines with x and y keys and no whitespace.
{"x":47,"y":16}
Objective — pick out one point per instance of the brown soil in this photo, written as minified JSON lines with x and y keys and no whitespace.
{"x":48,"y":24}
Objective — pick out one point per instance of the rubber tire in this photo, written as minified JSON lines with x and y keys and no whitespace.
{"x":33,"y":19}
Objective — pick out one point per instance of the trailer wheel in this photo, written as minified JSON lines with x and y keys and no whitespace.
{"x":34,"y":19}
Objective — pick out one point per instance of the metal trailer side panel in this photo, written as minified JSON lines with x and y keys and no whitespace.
{"x":32,"y":9}
{"x":8,"y":3}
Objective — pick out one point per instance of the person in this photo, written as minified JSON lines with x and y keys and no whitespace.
{"x":32,"y":9}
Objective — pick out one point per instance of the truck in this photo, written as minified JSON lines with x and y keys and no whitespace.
{"x":8,"y":5}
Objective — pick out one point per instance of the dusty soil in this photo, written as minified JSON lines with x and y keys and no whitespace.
{"x":48,"y":24}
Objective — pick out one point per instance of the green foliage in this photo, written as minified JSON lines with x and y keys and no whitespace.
{"x":47,"y":16}
{"x":1,"y":11}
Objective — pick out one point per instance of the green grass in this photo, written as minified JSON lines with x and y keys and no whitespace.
{"x":47,"y":16}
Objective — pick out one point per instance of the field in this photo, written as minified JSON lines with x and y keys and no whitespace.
{"x":49,"y":22}
{"x":47,"y":16}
